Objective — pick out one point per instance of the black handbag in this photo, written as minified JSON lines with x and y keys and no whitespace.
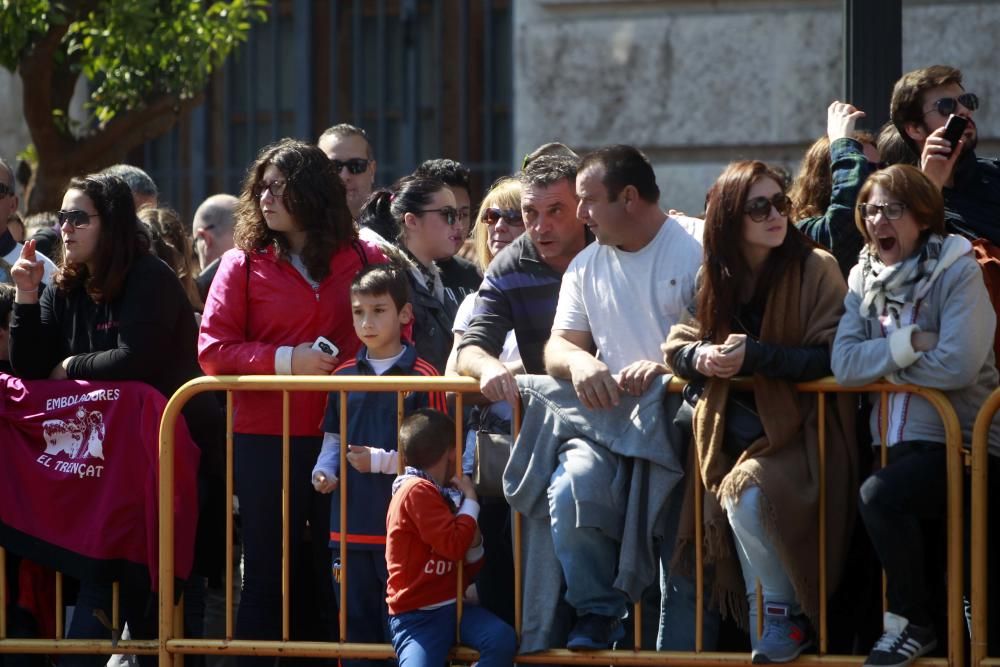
{"x":492,"y":453}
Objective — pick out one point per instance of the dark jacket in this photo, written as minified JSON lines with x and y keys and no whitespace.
{"x":148,"y":333}
{"x":972,"y":204}
{"x":460,"y":278}
{"x":835,"y":229}
{"x":371,"y":422}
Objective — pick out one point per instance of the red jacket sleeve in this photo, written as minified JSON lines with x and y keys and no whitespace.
{"x":223,"y":347}
{"x":449,"y":535}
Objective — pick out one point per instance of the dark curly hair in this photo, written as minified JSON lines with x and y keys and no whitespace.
{"x":315,"y":196}
{"x":119,"y":243}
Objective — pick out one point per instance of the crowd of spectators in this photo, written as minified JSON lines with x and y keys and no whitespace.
{"x":583,"y":294}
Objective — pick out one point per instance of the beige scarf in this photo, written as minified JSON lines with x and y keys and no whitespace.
{"x":803,"y":308}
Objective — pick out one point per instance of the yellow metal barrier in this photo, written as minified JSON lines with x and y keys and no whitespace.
{"x":980,"y":530}
{"x":170,"y":646}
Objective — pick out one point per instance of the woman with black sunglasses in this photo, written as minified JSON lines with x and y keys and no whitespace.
{"x":113,"y":312}
{"x":767,"y":306}
{"x":425,"y":216}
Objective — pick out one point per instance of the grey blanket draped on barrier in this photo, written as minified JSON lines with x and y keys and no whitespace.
{"x":639,"y":432}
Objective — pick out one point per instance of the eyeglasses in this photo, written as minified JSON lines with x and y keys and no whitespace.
{"x":891,"y":210}
{"x":493,"y":215}
{"x":948,"y":105}
{"x":276,"y":188}
{"x":75,"y":217}
{"x":449,"y":214}
{"x":356,"y":165}
{"x":5,"y":190}
{"x":759,"y":208}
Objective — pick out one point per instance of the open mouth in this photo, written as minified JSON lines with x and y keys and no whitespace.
{"x":886,"y":243}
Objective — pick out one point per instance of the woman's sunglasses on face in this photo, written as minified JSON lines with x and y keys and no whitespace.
{"x":890,"y":210}
{"x":449,"y":214}
{"x":493,"y":215}
{"x":759,"y":208}
{"x":75,"y":217}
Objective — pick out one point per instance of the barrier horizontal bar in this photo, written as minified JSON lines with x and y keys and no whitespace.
{"x":381,"y":651}
{"x":84,"y":646}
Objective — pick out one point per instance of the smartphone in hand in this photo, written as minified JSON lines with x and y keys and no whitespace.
{"x":326,"y":347}
{"x":954,"y":129}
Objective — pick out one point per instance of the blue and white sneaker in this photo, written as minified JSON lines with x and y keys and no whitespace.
{"x":784,"y":638}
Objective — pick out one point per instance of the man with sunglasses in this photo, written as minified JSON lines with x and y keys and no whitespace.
{"x":10,"y":250}
{"x":922,"y":102}
{"x":353,"y":158}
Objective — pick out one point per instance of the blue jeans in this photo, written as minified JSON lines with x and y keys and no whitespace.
{"x":677,"y":593}
{"x":758,"y":556}
{"x":588,"y":557}
{"x":422,"y":638}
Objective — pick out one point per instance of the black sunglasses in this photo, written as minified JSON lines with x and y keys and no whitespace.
{"x":5,"y":190}
{"x":75,"y":217}
{"x":511,"y":216}
{"x":356,"y":165}
{"x":449,"y":214}
{"x":275,"y":187}
{"x":759,"y":208}
{"x":949,"y":105}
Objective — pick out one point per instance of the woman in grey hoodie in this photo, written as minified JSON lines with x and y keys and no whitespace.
{"x":917,"y":312}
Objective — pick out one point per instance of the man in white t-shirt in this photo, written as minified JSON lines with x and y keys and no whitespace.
{"x":619,"y":298}
{"x":10,"y":250}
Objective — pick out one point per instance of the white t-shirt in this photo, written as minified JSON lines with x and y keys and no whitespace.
{"x":463,"y":318}
{"x":628,"y":301}
{"x":10,"y":258}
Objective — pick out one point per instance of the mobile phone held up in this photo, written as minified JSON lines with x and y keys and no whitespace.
{"x":954,"y":129}
{"x":325,"y":346}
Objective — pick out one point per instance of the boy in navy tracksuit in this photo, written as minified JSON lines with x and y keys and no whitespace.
{"x":381,"y":308}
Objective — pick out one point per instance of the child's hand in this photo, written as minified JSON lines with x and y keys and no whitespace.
{"x":464,"y":484}
{"x":359,"y":457}
{"x":322,"y":483}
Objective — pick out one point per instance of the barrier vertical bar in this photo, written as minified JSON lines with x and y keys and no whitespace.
{"x":116,"y":608}
{"x":821,"y":406}
{"x":165,"y":499}
{"x":60,"y":619}
{"x":637,"y":626}
{"x":979,"y":644}
{"x":286,"y":561}
{"x":230,"y":489}
{"x":883,"y":462}
{"x":342,"y":573}
{"x":460,"y":594}
{"x":699,"y":555}
{"x":518,"y":574}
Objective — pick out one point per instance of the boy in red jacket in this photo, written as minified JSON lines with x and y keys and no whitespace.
{"x":429,"y":528}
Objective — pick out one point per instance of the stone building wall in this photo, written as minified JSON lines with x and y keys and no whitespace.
{"x":697,"y":84}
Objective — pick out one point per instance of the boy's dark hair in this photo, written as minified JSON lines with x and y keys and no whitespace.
{"x":624,"y":165}
{"x":425,"y":436}
{"x":7,"y":292}
{"x":379,"y":279}
{"x":451,"y":173}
